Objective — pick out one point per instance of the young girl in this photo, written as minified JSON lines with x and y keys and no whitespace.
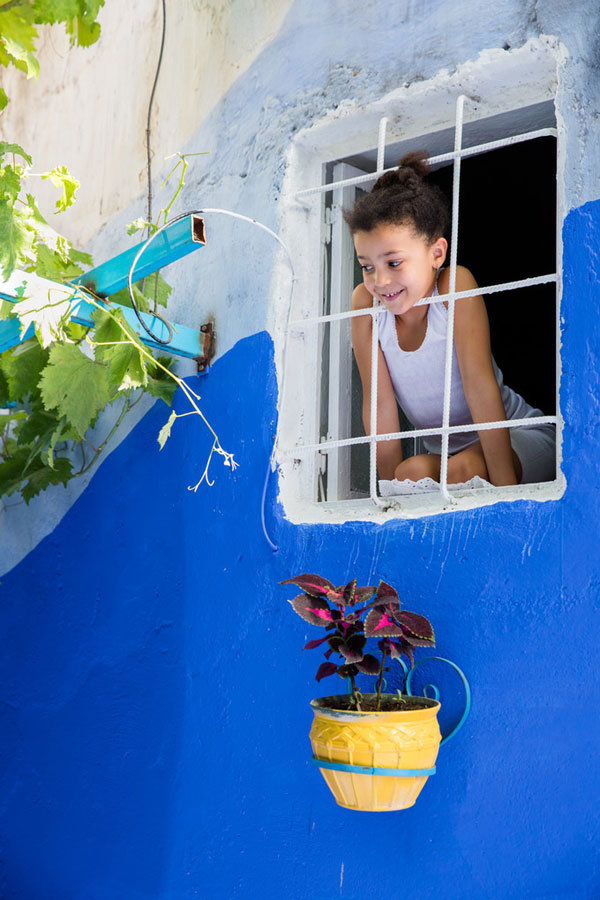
{"x":398,"y":235}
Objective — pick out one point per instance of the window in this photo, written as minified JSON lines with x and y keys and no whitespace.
{"x":510,"y":152}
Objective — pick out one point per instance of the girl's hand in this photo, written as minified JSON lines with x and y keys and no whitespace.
{"x":472,"y":342}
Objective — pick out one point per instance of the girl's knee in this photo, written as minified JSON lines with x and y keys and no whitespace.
{"x":466,"y":465}
{"x":425,"y":465}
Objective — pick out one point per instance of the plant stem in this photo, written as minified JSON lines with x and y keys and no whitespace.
{"x":126,"y":407}
{"x":380,"y":679}
{"x":355,"y":693}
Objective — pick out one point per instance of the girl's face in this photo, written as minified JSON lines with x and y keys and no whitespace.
{"x":399,"y":266}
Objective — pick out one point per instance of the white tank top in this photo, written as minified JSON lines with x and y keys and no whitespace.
{"x":418,"y":380}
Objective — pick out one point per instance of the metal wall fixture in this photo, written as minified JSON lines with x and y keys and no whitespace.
{"x":177,"y":240}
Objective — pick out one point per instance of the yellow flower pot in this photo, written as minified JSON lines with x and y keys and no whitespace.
{"x":366,"y":757}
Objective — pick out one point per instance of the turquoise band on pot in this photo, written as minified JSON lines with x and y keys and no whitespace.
{"x":369,"y":770}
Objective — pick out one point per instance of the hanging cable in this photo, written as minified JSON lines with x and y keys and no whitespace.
{"x":234,"y":215}
{"x":148,"y":150}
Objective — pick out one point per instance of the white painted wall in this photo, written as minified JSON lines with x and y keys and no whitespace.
{"x":88,"y":109}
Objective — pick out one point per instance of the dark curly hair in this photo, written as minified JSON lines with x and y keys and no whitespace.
{"x":402,"y":197}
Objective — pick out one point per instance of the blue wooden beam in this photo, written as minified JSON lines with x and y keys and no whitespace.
{"x":10,"y":331}
{"x":175,"y":241}
{"x":186,"y":341}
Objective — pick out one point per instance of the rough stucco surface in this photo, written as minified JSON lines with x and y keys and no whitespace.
{"x":322,"y":56}
{"x":155,"y":718}
{"x":155,"y":703}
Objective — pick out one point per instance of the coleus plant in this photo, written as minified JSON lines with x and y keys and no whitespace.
{"x":351,"y":615}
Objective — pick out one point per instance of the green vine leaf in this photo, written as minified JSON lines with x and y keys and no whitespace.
{"x":50,"y":12}
{"x":10,"y":185}
{"x":83,"y":29}
{"x":6,"y":148}
{"x":165,"y":389}
{"x":52,"y":265}
{"x":6,"y":309}
{"x":4,"y":396}
{"x":140,"y":224}
{"x":22,"y":368}
{"x":39,"y":476}
{"x":3,"y":99}
{"x":74,"y":385}
{"x":64,"y":432}
{"x":62,"y":178}
{"x":17,"y":39}
{"x":42,"y":476}
{"x":165,"y":432}
{"x":48,"y":310}
{"x":16,"y":239}
{"x":154,"y":287}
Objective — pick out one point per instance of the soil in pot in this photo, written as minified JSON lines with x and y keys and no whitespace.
{"x":368,"y":703}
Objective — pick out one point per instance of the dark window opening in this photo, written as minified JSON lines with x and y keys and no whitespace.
{"x":507,"y":232}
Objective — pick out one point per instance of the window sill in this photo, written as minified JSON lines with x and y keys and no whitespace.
{"x":420,"y":505}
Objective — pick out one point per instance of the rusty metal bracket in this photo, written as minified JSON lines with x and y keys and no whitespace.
{"x":207,"y":343}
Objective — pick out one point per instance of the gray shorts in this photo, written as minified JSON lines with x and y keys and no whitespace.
{"x":535,"y":445}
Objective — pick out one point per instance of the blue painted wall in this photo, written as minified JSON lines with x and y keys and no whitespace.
{"x":155,"y":699}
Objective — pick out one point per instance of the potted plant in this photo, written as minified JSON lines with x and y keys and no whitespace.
{"x":375,"y":750}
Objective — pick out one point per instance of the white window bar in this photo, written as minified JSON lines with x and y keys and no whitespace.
{"x":433,"y":160}
{"x":301,"y":449}
{"x":339,"y":404}
{"x":381,"y":146}
{"x":298,"y":324}
{"x":460,"y":106}
{"x":446,"y":430}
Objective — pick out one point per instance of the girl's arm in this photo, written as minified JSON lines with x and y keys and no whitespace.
{"x":472,"y":342}
{"x":389,"y":453}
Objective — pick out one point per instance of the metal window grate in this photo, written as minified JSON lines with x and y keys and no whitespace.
{"x":446,"y":430}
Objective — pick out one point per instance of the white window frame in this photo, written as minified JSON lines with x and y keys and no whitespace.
{"x":300,"y":326}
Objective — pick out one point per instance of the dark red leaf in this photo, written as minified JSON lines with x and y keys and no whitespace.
{"x":380,"y":623}
{"x":325,"y":669}
{"x":415,"y":641}
{"x":336,"y":595}
{"x":386,"y":592}
{"x":312,"y":609}
{"x":347,"y":671}
{"x":363,"y":594}
{"x":352,"y":649}
{"x":312,"y":644}
{"x":328,"y":653}
{"x":312,"y":584}
{"x":335,"y":642}
{"x":417,"y":627}
{"x":401,"y":648}
{"x":368,"y":665}
{"x":349,"y":592}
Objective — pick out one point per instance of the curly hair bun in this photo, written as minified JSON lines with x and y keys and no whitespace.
{"x":411,"y":169}
{"x":403,"y":196}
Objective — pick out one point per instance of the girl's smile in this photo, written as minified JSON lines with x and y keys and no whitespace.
{"x":399,"y":266}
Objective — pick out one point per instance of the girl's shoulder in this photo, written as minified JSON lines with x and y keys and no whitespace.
{"x":464,"y":280}
{"x":361,"y":298}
